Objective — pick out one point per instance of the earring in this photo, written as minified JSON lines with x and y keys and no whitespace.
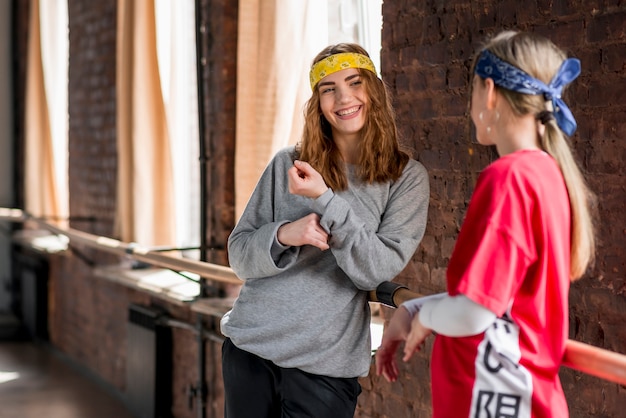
{"x":480,"y":116}
{"x":488,"y":129}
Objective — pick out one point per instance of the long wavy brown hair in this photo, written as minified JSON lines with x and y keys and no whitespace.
{"x":381,"y":158}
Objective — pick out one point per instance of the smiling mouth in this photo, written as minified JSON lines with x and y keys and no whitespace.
{"x":348,"y":112}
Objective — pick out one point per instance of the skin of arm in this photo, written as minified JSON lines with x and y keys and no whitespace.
{"x":455,"y":316}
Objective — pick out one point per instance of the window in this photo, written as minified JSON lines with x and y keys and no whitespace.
{"x":55,"y":56}
{"x":358,"y":21}
{"x":46,"y":113}
{"x":176,"y":51}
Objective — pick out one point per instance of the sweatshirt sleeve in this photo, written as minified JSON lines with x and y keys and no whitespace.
{"x":253,"y":249}
{"x":370,"y":257}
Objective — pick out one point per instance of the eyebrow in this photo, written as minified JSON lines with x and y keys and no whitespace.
{"x":348,"y":78}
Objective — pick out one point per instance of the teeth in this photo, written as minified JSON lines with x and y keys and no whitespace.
{"x":348,"y":111}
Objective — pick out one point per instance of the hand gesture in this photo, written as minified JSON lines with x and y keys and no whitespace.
{"x":401,"y":328}
{"x":395,"y":332}
{"x":304,"y":231}
{"x":305,"y":181}
{"x":416,"y":337}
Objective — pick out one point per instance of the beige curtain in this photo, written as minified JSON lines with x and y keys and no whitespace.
{"x":40,"y":185}
{"x":277,"y":41}
{"x":177,"y":62}
{"x":145,"y":207}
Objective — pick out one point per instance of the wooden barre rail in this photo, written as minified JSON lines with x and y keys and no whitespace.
{"x":598,"y":362}
{"x":586,"y":358}
{"x":156,"y":258}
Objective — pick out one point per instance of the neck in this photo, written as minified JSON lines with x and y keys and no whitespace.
{"x":348,"y":147}
{"x":516,"y":134}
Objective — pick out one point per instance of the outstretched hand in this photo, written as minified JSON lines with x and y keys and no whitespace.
{"x":416,"y":338}
{"x":305,"y":181}
{"x":401,"y":327}
{"x":396,"y":331}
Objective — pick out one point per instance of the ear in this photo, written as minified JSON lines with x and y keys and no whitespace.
{"x":490,"y":89}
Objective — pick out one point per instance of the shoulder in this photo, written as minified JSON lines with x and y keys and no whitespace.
{"x":414,"y":177}
{"x":282,"y":160}
{"x":286,"y":154}
{"x":521,"y":168}
{"x":414,"y":169}
{"x":275,"y":170}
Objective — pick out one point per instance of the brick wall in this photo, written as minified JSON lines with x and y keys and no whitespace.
{"x":427,"y":47}
{"x":219,"y":47}
{"x":92,"y":122}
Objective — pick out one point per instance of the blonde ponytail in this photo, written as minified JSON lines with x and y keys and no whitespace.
{"x":541,"y":59}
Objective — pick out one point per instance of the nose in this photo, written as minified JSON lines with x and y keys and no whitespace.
{"x":343,"y":95}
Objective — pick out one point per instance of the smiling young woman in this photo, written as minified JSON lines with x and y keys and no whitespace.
{"x":329,"y":220}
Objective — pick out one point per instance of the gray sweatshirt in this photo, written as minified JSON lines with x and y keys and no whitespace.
{"x":304,"y":308}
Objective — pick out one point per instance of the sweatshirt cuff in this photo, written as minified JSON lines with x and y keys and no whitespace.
{"x":277,"y":248}
{"x":322,"y":201}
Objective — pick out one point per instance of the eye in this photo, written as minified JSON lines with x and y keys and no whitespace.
{"x":357,"y":82}
{"x":325,"y":90}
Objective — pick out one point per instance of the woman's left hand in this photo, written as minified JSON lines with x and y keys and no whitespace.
{"x":305,"y":181}
{"x":395,"y":332}
{"x":416,"y":337}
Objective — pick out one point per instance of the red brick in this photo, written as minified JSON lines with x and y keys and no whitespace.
{"x":609,"y":27}
{"x":614,"y":57}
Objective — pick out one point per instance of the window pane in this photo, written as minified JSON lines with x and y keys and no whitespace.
{"x":176,"y":44}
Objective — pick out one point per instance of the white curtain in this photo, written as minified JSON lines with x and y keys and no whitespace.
{"x":278,"y":39}
{"x":55,"y":54}
{"x":176,"y":48}
{"x":370,"y":26}
{"x":46,"y":118}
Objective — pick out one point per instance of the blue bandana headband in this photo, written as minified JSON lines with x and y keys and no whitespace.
{"x":512,"y":78}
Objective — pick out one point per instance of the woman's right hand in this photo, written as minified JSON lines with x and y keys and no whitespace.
{"x":305,"y":181}
{"x":304,"y":231}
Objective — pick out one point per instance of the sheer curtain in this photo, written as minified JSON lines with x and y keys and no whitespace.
{"x":145,"y":212}
{"x":176,"y":47}
{"x":46,"y":119}
{"x":276,"y":43}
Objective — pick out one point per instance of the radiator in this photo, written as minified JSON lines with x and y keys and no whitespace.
{"x":31,"y":290}
{"x":148,"y":363}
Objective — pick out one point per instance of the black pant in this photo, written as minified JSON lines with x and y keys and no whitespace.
{"x":257,"y":388}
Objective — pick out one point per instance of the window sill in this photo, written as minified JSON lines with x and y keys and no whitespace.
{"x":215,"y":307}
{"x":162,"y":283}
{"x":41,"y":241}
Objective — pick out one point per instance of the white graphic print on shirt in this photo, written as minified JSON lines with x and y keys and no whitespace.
{"x":503,"y":387}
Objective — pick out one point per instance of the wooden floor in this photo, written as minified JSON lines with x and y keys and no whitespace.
{"x":36,"y":381}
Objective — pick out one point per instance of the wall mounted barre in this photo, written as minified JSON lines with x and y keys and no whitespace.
{"x":598,"y":362}
{"x":586,"y":358}
{"x":156,"y":258}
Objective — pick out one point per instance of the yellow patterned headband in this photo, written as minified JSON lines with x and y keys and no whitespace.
{"x":338,"y":62}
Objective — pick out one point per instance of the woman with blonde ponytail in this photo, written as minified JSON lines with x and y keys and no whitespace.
{"x":502,"y":325}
